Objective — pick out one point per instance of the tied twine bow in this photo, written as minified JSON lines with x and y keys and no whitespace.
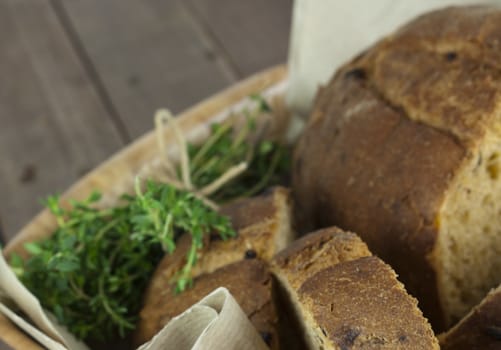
{"x":183,"y":181}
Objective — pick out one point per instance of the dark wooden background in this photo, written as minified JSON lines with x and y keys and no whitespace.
{"x":82,"y":78}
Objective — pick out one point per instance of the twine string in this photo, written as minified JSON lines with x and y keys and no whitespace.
{"x":164,"y":116}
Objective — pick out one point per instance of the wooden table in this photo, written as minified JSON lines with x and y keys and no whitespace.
{"x":82,"y":78}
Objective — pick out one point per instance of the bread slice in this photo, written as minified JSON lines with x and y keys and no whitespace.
{"x":264,"y":228}
{"x":404,"y":147}
{"x":314,"y":252}
{"x":263,"y":224}
{"x":480,"y":329}
{"x":248,"y":281}
{"x":343,"y":298}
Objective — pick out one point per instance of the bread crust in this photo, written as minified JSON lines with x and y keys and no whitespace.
{"x":338,"y":296}
{"x":359,"y":304}
{"x":398,"y":123}
{"x":316,"y":251}
{"x":302,"y":259}
{"x":480,"y":329}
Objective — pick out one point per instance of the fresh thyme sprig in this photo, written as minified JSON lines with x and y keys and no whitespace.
{"x":92,"y":272}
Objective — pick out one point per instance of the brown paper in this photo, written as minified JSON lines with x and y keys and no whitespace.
{"x":216,"y":322}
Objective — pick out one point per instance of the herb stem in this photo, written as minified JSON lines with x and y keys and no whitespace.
{"x":266,"y":178}
{"x":206,"y":147}
{"x":109,"y":310}
{"x":168,"y":235}
{"x":211,"y":163}
{"x":78,"y":291}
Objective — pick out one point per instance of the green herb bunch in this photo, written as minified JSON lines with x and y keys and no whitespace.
{"x":92,"y":272}
{"x":268,"y":161}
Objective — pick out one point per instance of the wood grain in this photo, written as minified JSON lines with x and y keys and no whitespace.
{"x":148,"y":54}
{"x":254,"y":34}
{"x":53,"y":126}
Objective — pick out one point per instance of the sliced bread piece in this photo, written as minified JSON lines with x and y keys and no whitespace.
{"x":343,"y":298}
{"x":314,"y":252}
{"x":480,"y":329}
{"x":301,"y":260}
{"x":360,"y":304}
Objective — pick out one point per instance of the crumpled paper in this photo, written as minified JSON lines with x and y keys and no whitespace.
{"x":215,"y":322}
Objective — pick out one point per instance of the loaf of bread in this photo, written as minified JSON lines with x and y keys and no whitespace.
{"x":480,"y":329}
{"x":264,"y":228}
{"x":338,"y":296}
{"x":403,"y":147}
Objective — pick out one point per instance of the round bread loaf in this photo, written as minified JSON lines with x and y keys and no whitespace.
{"x":403,"y":147}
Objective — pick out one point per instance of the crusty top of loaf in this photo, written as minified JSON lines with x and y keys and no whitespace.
{"x":316,"y":251}
{"x":248,"y":281}
{"x":442,"y":69}
{"x":480,"y":329}
{"x":359,"y":304}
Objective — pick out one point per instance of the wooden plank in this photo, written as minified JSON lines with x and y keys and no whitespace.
{"x":148,"y":54}
{"x":53,"y":126}
{"x":254,"y":34}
